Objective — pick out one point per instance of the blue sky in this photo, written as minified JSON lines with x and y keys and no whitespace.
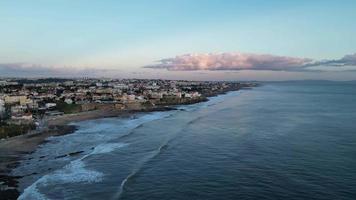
{"x":124,"y":36}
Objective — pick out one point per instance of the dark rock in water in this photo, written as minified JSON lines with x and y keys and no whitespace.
{"x":163,"y":108}
{"x":75,"y":153}
{"x":9,"y":194}
{"x":9,"y":181}
{"x":61,"y":156}
{"x":8,"y":186}
{"x":69,"y":154}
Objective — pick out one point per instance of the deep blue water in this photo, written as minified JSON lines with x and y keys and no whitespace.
{"x":290,"y":140}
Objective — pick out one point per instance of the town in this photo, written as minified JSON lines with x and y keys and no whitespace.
{"x":25,"y":102}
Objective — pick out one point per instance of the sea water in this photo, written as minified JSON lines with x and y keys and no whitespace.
{"x":288,"y":140}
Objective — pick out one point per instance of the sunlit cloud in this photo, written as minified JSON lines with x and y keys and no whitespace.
{"x":231,"y":61}
{"x":248,"y":61}
{"x":226,"y":63}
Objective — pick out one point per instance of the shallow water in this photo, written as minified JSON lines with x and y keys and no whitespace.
{"x":290,"y":140}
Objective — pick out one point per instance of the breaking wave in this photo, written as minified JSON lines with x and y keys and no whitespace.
{"x":74,"y":172}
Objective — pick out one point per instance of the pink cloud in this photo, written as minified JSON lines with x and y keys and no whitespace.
{"x":231,"y":61}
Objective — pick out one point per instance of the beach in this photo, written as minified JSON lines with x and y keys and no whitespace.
{"x":15,"y":148}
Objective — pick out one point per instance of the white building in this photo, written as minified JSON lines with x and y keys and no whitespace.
{"x":68,"y":101}
{"x":121,"y":86}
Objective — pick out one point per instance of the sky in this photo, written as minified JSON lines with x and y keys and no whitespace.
{"x":179,"y":39}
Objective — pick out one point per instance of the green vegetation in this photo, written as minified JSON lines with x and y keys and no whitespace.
{"x":68,"y":108}
{"x":11,"y":130}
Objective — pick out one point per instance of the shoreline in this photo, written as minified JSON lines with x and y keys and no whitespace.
{"x":15,"y":148}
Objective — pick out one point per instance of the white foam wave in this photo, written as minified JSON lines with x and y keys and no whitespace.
{"x":74,"y":172}
{"x":91,"y":132}
{"x":106,"y":148}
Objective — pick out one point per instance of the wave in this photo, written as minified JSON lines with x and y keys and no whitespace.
{"x":74,"y":172}
{"x":195,"y":120}
{"x":143,"y":122}
{"x":139,"y":167}
{"x":105,"y":148}
{"x":153,"y":154}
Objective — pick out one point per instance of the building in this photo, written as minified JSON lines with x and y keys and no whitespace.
{"x":121,"y":86}
{"x":156,"y":95}
{"x":68,"y":101}
{"x":22,"y":100}
{"x":26,"y":117}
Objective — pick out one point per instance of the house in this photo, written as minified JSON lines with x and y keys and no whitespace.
{"x":156,"y":95}
{"x":18,"y":110}
{"x":187,"y":95}
{"x":121,"y":86}
{"x":195,"y":94}
{"x":177,"y":94}
{"x":22,"y":100}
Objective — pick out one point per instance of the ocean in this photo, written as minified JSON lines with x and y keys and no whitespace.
{"x":283,"y":140}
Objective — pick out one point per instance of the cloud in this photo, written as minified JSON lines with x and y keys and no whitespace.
{"x":347,"y":60}
{"x":248,"y":61}
{"x":33,"y":70}
{"x":231,"y":61}
{"x":225,"y":62}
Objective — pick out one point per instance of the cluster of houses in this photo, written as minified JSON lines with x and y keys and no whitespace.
{"x":23,"y":100}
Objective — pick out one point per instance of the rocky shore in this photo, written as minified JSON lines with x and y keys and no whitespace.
{"x":13,"y":149}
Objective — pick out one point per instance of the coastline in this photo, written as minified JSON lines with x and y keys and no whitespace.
{"x":13,"y":149}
